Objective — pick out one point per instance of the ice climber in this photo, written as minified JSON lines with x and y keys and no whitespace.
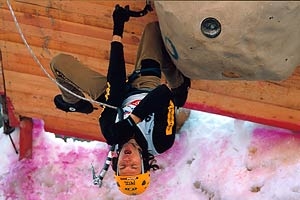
{"x":145,"y":124}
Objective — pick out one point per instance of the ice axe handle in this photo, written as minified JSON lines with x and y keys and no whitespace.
{"x":139,"y":13}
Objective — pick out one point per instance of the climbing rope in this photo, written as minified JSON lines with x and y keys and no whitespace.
{"x":42,"y":67}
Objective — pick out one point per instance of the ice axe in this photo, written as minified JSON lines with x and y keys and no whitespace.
{"x":131,"y":13}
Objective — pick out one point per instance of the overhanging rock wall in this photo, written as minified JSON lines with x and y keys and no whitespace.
{"x":253,"y":40}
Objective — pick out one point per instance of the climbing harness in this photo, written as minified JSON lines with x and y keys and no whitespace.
{"x":135,"y":74}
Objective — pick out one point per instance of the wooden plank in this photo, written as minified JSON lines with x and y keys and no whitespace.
{"x":64,"y":26}
{"x":244,"y":109}
{"x":39,"y":91}
{"x":33,"y":96}
{"x":66,"y":11}
{"x":282,"y":93}
{"x":67,"y":42}
{"x":43,"y":24}
{"x":17,"y":58}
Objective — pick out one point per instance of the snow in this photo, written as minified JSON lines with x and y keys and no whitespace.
{"x":214,"y":157}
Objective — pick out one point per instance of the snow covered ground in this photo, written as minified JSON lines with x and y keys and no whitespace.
{"x":214,"y":157}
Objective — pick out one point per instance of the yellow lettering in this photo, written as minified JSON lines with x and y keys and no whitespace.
{"x":107,"y":91}
{"x":129,"y":182}
{"x":170,"y":119}
{"x":131,"y":189}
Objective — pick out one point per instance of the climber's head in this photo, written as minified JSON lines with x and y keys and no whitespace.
{"x":131,"y":175}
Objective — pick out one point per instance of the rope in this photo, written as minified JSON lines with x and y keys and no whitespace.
{"x":43,"y":68}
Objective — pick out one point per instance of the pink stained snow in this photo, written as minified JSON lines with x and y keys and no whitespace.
{"x":214,"y":157}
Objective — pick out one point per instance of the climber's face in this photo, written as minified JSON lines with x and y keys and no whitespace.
{"x":130,"y":159}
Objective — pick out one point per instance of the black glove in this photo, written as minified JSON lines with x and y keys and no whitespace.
{"x":180,"y":93}
{"x":124,"y":130}
{"x":120,"y":16}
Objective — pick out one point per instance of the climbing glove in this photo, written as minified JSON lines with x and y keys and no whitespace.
{"x":120,"y":16}
{"x":124,"y":130}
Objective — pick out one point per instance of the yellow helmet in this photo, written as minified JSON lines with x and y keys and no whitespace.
{"x":133,"y":185}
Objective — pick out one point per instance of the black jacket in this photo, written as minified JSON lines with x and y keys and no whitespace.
{"x":158,"y":101}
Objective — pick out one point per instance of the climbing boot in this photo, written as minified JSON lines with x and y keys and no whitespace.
{"x":81,"y":106}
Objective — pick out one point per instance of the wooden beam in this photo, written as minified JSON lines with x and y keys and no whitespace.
{"x":26,"y":127}
{"x":245,"y":109}
{"x":281,"y":93}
